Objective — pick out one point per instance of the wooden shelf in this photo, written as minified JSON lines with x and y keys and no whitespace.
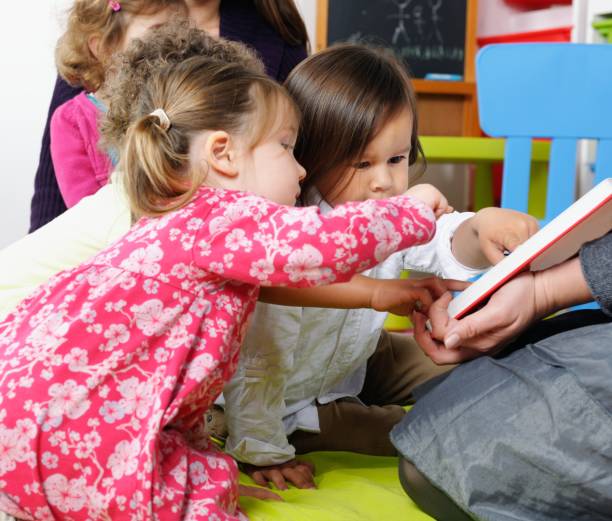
{"x":444,"y":87}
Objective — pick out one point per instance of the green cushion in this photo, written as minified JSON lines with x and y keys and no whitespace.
{"x":351,"y":487}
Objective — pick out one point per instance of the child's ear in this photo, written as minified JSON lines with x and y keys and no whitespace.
{"x":93,"y":42}
{"x":221,"y":153}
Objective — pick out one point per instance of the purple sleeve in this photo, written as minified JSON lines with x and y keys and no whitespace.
{"x":47,"y":202}
{"x":596,"y":261}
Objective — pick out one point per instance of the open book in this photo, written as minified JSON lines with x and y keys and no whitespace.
{"x":588,"y":218}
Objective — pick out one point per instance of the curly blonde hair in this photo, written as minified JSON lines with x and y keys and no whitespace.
{"x":95,"y":18}
{"x":201,"y":83}
{"x":130,"y":70}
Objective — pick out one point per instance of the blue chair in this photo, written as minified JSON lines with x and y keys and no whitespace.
{"x":560,"y":91}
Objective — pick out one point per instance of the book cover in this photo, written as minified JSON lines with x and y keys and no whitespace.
{"x":587,"y":219}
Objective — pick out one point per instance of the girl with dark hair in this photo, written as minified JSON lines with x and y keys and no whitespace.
{"x":333,"y":379}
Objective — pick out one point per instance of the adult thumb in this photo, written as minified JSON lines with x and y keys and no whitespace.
{"x":461,"y":332}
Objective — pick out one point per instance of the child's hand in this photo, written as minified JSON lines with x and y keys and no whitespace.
{"x":297,"y":472}
{"x":508,"y":312}
{"x":432,"y":197}
{"x":499,"y":230}
{"x":402,"y":297}
{"x":258,"y":493}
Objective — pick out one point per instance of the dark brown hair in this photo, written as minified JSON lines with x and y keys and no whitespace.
{"x":346,"y":94}
{"x":88,"y":18}
{"x":284,"y":16}
{"x":197,"y":94}
{"x":173,"y":42}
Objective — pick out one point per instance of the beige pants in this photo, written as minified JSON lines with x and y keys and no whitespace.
{"x":397,"y":366}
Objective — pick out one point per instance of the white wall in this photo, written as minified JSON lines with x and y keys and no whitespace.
{"x":308,"y":10}
{"x":27,"y":38}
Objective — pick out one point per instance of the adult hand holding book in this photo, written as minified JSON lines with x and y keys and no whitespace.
{"x":526,"y":298}
{"x":516,"y":297}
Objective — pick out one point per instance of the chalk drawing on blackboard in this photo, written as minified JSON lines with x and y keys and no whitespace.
{"x":402,"y":16}
{"x":430,"y":45}
{"x":428,"y":34}
{"x":435,"y":20}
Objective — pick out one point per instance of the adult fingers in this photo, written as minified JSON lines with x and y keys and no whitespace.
{"x":435,"y":350}
{"x":439,"y":320}
{"x":469,"y":330}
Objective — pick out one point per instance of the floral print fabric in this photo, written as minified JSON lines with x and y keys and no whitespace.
{"x":105,"y":369}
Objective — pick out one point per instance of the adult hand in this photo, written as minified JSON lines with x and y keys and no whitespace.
{"x":297,"y":472}
{"x":518,"y":303}
{"x":509,"y":311}
{"x":403,"y":296}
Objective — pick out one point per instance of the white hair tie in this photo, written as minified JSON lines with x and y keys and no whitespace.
{"x":164,"y":120}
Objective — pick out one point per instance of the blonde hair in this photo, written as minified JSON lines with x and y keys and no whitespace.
{"x":173,"y":42}
{"x":198,"y":94}
{"x":95,"y":18}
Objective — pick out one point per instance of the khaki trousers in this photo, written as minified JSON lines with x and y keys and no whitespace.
{"x":397,"y":366}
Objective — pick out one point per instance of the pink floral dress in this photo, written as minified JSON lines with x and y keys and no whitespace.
{"x":106,"y":368}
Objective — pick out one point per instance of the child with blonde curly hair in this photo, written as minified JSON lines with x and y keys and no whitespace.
{"x":96,"y":30}
{"x":100,"y":219}
{"x":273,"y":28}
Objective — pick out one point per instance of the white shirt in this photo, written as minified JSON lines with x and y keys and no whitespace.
{"x":293,"y":358}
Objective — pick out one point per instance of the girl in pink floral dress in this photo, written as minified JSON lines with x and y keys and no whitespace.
{"x":104,"y":369}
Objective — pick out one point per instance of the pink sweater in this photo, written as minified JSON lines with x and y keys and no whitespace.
{"x":117,"y":359}
{"x":80,"y":167}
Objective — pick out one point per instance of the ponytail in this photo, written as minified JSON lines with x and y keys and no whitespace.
{"x":177,"y":103}
{"x":156,"y":168}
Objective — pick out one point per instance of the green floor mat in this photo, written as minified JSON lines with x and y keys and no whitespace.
{"x":351,"y":487}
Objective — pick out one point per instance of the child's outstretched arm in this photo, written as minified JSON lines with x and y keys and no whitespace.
{"x":396,"y":296}
{"x":248,"y":239}
{"x":482,"y":240}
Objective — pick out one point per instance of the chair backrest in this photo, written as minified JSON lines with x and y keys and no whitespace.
{"x":561,"y":91}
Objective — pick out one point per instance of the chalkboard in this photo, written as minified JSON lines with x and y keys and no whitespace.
{"x":428,"y":34}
